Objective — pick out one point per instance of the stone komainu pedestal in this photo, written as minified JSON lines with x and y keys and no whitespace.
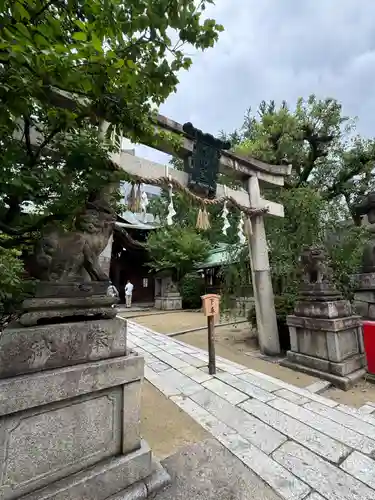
{"x":326,"y":338}
{"x":167,"y":296}
{"x":70,"y":404}
{"x":364,"y":298}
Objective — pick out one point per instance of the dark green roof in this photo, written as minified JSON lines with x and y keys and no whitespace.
{"x":221,"y":254}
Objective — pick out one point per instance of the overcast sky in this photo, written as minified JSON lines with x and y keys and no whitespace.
{"x":279,"y":49}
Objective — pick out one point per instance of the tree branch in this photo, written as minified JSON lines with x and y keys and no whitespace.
{"x":26,"y":130}
{"x":5,"y":228}
{"x":316,"y":151}
{"x":339,"y":184}
{"x":14,"y":209}
{"x":46,"y":141}
{"x":42,"y":10}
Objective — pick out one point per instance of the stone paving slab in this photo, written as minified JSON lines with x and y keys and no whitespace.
{"x":356,"y":412}
{"x":303,"y":445}
{"x":252,"y":429}
{"x":367,"y":409}
{"x":361,"y":467}
{"x":330,"y":481}
{"x":291,"y":396}
{"x":326,"y":426}
{"x":319,"y":386}
{"x":282,"y":482}
{"x":225,"y":391}
{"x":245,"y":387}
{"x":350,"y":421}
{"x":314,"y":496}
{"x":298,"y":431}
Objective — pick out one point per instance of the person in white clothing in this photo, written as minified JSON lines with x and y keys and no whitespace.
{"x":128,"y":293}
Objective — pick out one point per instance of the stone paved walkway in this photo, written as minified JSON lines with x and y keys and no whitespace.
{"x":302,"y":444}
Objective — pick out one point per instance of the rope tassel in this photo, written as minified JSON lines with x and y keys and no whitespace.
{"x":138,"y":200}
{"x":131,"y":199}
{"x":203,"y":220}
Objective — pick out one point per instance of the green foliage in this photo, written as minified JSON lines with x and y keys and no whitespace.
{"x":235,"y":277}
{"x":111,"y":61}
{"x":11,"y":270}
{"x":331,"y":171}
{"x":284,"y":305}
{"x":345,"y":243}
{"x":191,"y":289}
{"x":67,"y":68}
{"x":176,"y":249}
{"x":54,"y":184}
{"x":303,"y":225}
{"x":120,"y":56}
{"x":318,"y":141}
{"x":13,"y":289}
{"x":310,"y":220}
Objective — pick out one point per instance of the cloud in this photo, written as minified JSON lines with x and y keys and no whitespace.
{"x":279,"y":49}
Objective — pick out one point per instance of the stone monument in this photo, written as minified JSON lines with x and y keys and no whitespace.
{"x":69,"y":387}
{"x":325,"y":336}
{"x":167,"y":296}
{"x":364,"y":297}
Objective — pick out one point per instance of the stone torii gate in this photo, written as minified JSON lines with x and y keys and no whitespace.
{"x":253,"y":174}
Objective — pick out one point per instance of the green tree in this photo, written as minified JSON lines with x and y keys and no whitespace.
{"x":320,"y":144}
{"x":113,"y":61}
{"x":176,"y":249}
{"x":119,"y":58}
{"x":66,"y":68}
{"x":331,"y":171}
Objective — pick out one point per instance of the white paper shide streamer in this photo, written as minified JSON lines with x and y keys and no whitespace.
{"x":144,"y":203}
{"x":240,"y":231}
{"x":171,"y":210}
{"x":224,"y":216}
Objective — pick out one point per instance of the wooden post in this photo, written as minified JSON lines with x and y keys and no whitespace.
{"x":211,"y":345}
{"x":268,"y":334}
{"x":211,"y":303}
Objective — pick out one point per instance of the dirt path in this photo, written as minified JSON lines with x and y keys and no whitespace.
{"x":164,"y":425}
{"x":174,"y":321}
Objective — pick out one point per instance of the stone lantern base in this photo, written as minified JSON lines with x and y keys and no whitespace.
{"x":326,"y":338}
{"x":364,"y":297}
{"x":167,"y":296}
{"x":171,"y":301}
{"x":70,"y":395}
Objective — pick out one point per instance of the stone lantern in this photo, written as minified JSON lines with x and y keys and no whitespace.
{"x":325,"y":336}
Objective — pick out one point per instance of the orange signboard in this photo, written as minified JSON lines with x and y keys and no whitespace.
{"x":211,"y":304}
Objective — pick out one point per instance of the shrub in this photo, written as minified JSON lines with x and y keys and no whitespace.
{"x":191,"y":289}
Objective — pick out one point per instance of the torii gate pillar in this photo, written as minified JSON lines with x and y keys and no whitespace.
{"x":268,"y":335}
